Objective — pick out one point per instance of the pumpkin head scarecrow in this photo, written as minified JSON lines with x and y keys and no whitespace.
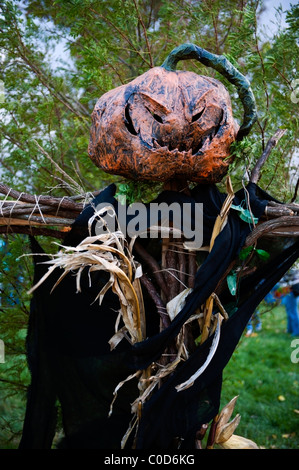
{"x":165,"y":125}
{"x":169,"y":124}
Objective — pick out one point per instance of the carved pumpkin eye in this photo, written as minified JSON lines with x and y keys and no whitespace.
{"x":197,"y":116}
{"x":128,"y":121}
{"x":139,"y":111}
{"x":217,"y":127}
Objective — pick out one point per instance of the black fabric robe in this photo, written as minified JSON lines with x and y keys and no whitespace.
{"x":70,"y":359}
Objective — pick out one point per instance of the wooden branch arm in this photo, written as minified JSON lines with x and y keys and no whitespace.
{"x":275,"y":209}
{"x":64,"y":202}
{"x":265,"y":228}
{"x":30,"y":230}
{"x":35,"y":220}
{"x":15,"y":216}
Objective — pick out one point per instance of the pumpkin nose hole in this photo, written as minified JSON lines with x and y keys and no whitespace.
{"x":128,"y":121}
{"x":155,"y":116}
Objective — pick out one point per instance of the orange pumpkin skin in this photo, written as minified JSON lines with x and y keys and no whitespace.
{"x":164,"y":125}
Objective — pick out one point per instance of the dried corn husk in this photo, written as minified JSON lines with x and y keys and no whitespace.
{"x":227,"y":430}
{"x":130,"y":377}
{"x":222,"y":217}
{"x":108,"y":252}
{"x":224,"y":435}
{"x":238,"y":442}
{"x":175,"y":305}
{"x":212,"y":351}
{"x":225,"y":415}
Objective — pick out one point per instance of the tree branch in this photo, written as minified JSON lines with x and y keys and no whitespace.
{"x":34,"y":231}
{"x":272,"y":142}
{"x":296,"y":191}
{"x":64,"y":202}
{"x":20,"y":216}
{"x":121,"y":34}
{"x":153,"y":265}
{"x":290,"y":226}
{"x":145,"y":33}
{"x":161,"y":309}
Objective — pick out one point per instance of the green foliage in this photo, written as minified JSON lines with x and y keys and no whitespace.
{"x":246,"y":252}
{"x":132,"y":191}
{"x":232,"y":282}
{"x":14,"y":311}
{"x":243,"y":154}
{"x":58,"y":57}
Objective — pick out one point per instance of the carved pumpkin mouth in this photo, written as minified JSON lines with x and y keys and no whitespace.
{"x":196,"y":149}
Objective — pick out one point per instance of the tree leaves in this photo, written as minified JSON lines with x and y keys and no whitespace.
{"x":244,"y":256}
{"x":232,"y":283}
{"x":263,"y":254}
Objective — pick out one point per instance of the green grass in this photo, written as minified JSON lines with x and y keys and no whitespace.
{"x":267,"y":381}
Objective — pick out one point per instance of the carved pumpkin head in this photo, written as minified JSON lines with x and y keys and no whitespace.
{"x":169,"y":124}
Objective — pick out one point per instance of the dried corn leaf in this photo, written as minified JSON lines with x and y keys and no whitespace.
{"x":153,"y":381}
{"x":188,"y":383}
{"x":220,"y":306}
{"x":131,"y":427}
{"x":129,"y":307}
{"x":139,"y":294}
{"x":130,"y":377}
{"x":164,"y":231}
{"x":117,"y":337}
{"x":222,"y":217}
{"x":176,"y":304}
{"x":107,"y":252}
{"x":50,"y":270}
{"x":207,"y":318}
{"x":104,"y":289}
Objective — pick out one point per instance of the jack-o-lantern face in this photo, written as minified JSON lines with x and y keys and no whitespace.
{"x":164,"y":125}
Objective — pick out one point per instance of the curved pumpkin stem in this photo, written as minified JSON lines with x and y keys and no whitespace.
{"x":223,"y":66}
